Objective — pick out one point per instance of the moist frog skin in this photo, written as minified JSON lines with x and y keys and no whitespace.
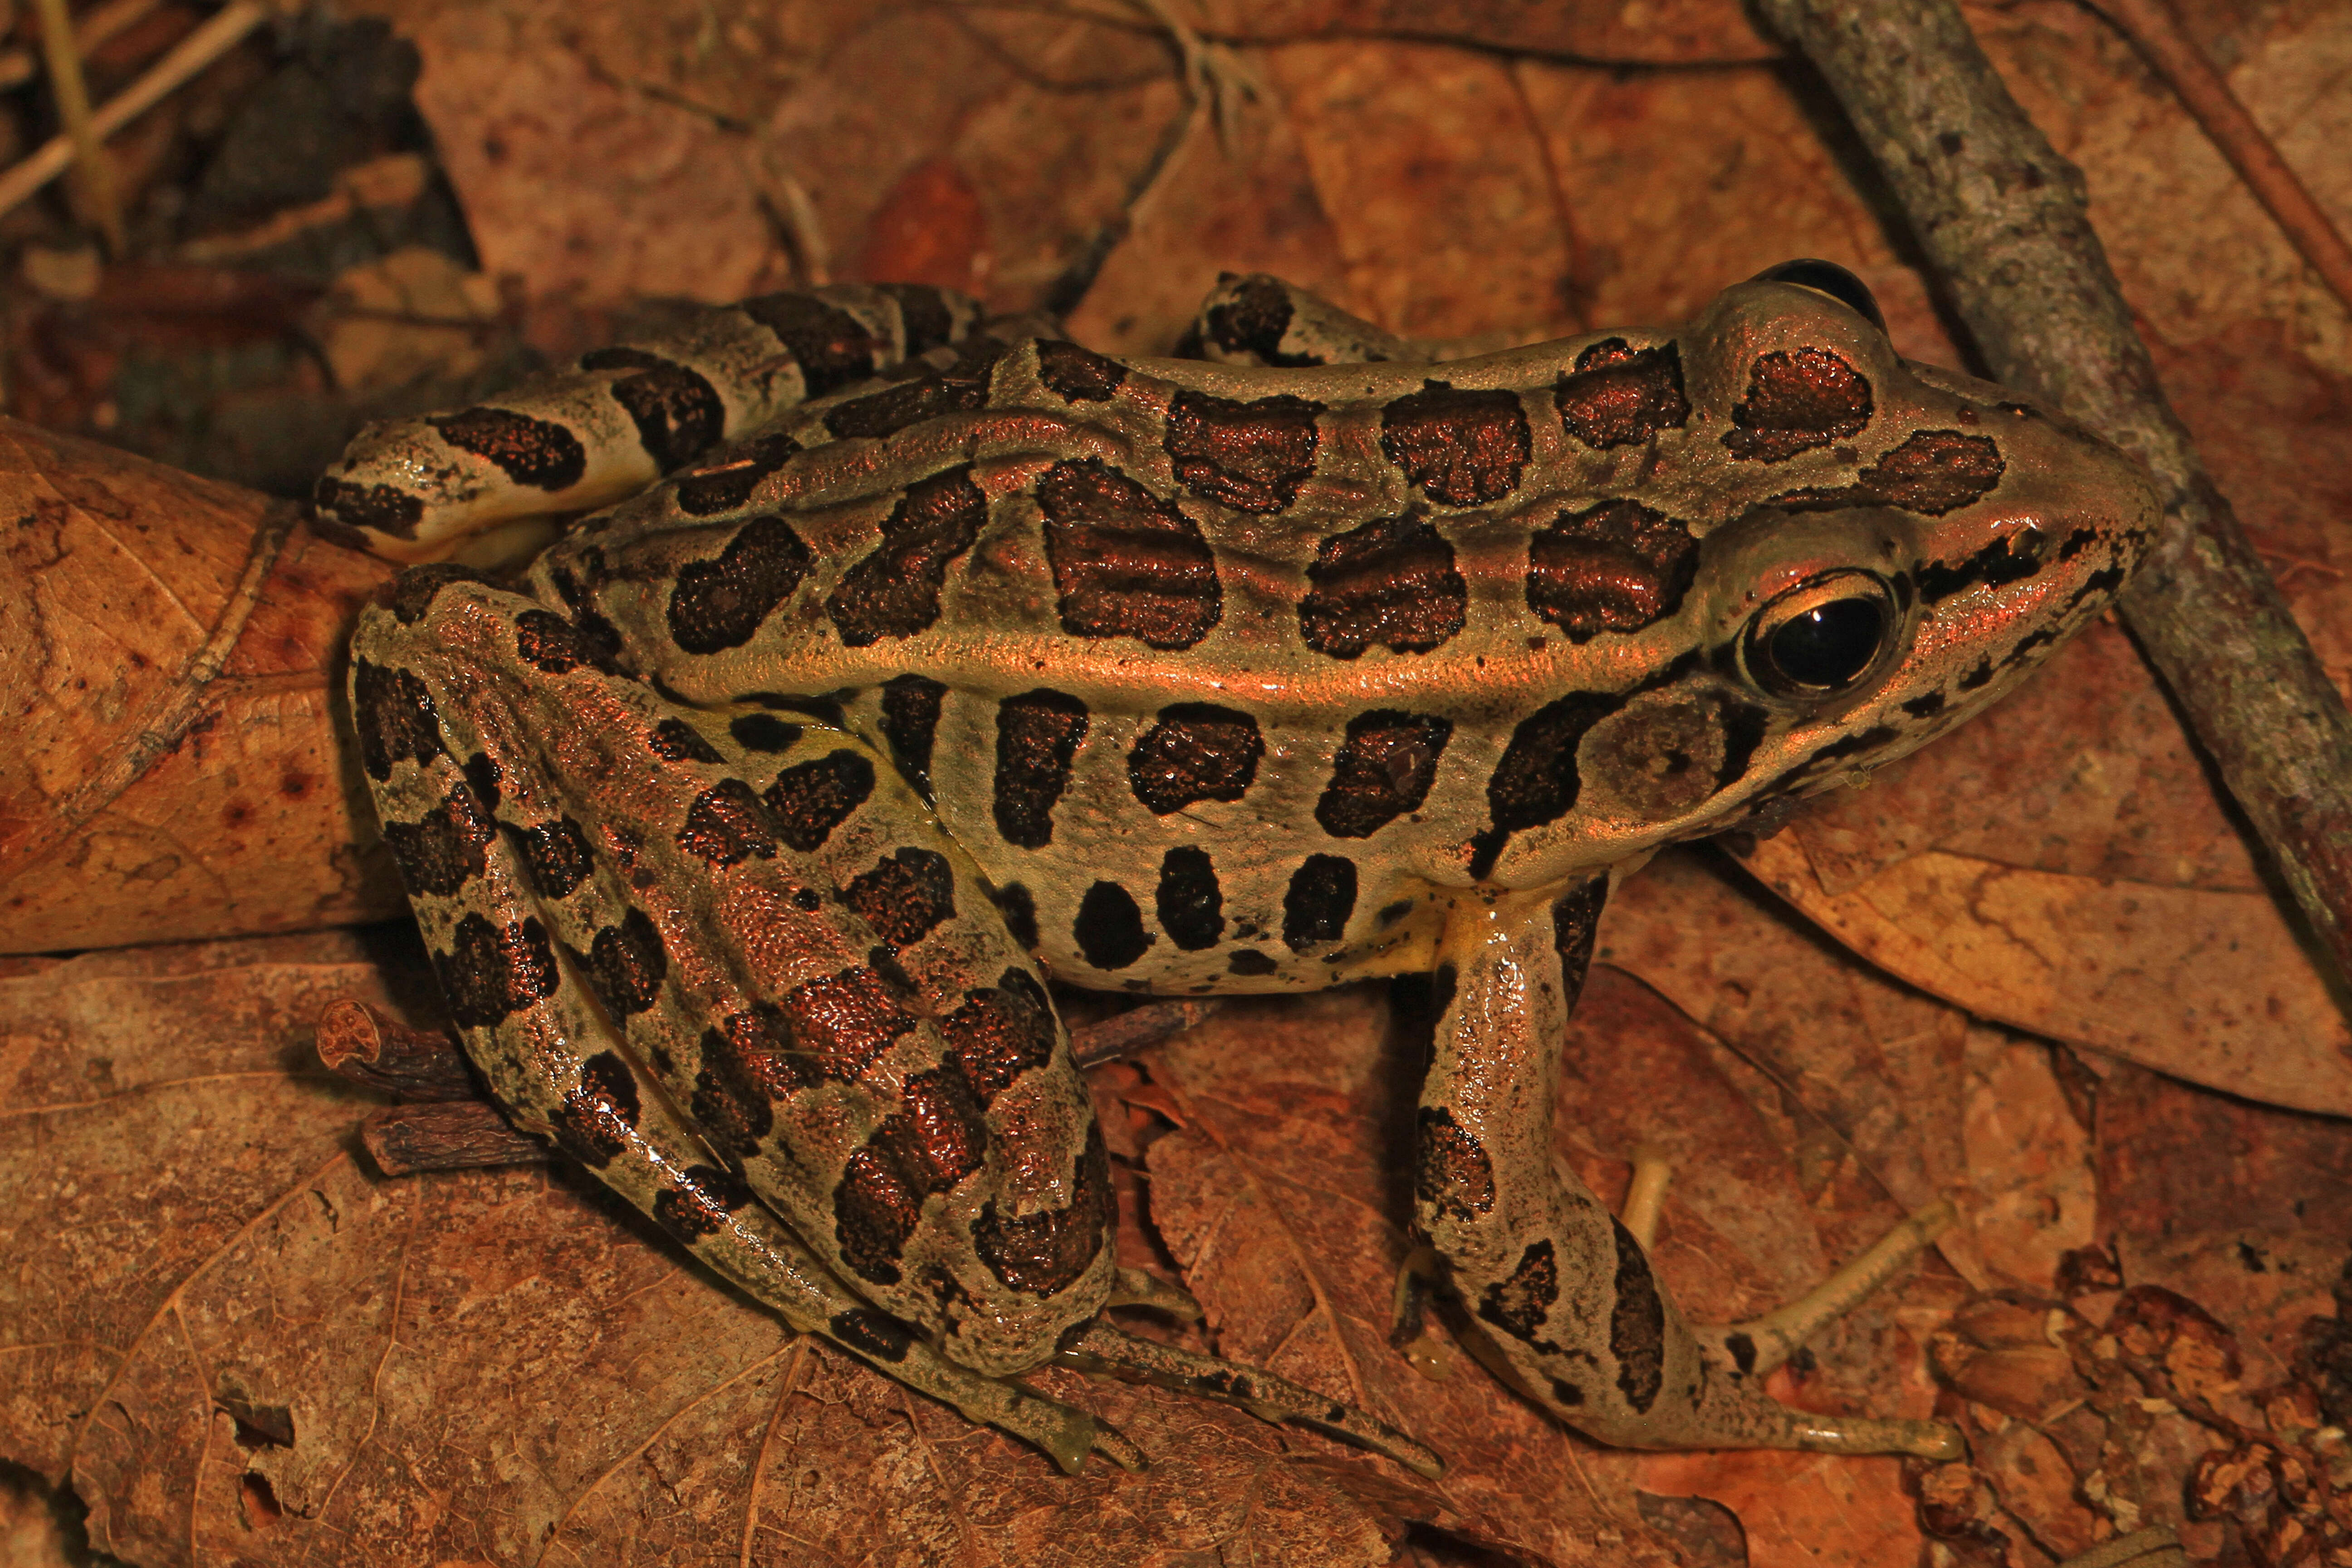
{"x":899,"y":659}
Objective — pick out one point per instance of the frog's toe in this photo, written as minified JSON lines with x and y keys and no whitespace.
{"x":1103,"y":1350}
{"x":1065,"y":1434}
{"x":1137,"y":1288}
{"x":1937,"y":1440}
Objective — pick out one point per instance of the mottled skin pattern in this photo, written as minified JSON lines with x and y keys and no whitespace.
{"x":1179,"y":676}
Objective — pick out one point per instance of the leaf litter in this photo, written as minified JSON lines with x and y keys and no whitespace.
{"x":238,"y":1344}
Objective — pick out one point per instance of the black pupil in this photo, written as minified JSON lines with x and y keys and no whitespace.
{"x":1830,"y":644}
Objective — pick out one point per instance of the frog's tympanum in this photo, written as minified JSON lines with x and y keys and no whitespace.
{"x":912,"y":658}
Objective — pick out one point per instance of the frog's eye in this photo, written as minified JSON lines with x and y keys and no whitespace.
{"x":1821,"y":637}
{"x":1828,"y":278}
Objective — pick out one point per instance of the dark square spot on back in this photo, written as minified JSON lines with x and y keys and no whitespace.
{"x":1252,"y":456}
{"x":1126,"y":562}
{"x":1797,"y":399}
{"x":1077,"y":374}
{"x":1620,"y":396}
{"x":1463,"y":448}
{"x":1615,"y":567}
{"x":894,"y":590}
{"x":1391,"y":581}
{"x":719,"y":603}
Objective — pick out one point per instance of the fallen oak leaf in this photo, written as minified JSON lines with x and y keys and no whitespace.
{"x":171,"y":648}
{"x":2208,"y":986}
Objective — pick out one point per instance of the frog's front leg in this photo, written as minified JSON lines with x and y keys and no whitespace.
{"x":1552,"y":1282}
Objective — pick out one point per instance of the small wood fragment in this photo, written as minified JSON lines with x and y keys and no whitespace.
{"x":1646,"y":1195}
{"x":91,"y":28}
{"x":368,"y":1047}
{"x":200,"y":48}
{"x":454,"y":1135}
{"x":96,"y":175}
{"x":1138,"y":1029}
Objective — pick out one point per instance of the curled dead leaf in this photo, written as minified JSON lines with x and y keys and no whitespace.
{"x":173,"y":653}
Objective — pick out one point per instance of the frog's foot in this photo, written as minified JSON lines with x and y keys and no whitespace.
{"x":1559,"y":1295}
{"x":1100,"y":1348}
{"x":1758,"y":1346}
{"x":1066,"y":1434}
{"x":1134,"y":1288}
{"x":1417,"y":1277}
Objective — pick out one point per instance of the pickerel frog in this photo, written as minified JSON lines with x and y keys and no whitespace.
{"x":913,"y":659}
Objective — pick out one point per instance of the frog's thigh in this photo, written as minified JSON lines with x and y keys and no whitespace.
{"x":1559,"y":1290}
{"x":547,"y":1072}
{"x":730,"y":906}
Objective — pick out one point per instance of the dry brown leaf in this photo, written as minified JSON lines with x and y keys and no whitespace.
{"x":2210,"y":986}
{"x":2239,"y":1207}
{"x":544,"y":1382}
{"x":170,"y":648}
{"x":586,"y":186}
{"x":1282,"y":1199}
{"x":242,"y":1345}
{"x":1872,"y":1073}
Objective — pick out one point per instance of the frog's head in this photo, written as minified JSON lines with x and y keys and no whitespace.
{"x":1881,"y":549}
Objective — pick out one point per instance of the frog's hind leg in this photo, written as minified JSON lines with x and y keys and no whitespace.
{"x":1559,"y":1295}
{"x":1103,"y":1349}
{"x":613,"y":421}
{"x":467,"y":703}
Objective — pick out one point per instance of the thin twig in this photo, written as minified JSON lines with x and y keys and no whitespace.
{"x":2002,"y":217}
{"x":200,"y":48}
{"x":2154,"y":1547}
{"x":91,"y":28}
{"x":93,"y":172}
{"x":2155,"y":32}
